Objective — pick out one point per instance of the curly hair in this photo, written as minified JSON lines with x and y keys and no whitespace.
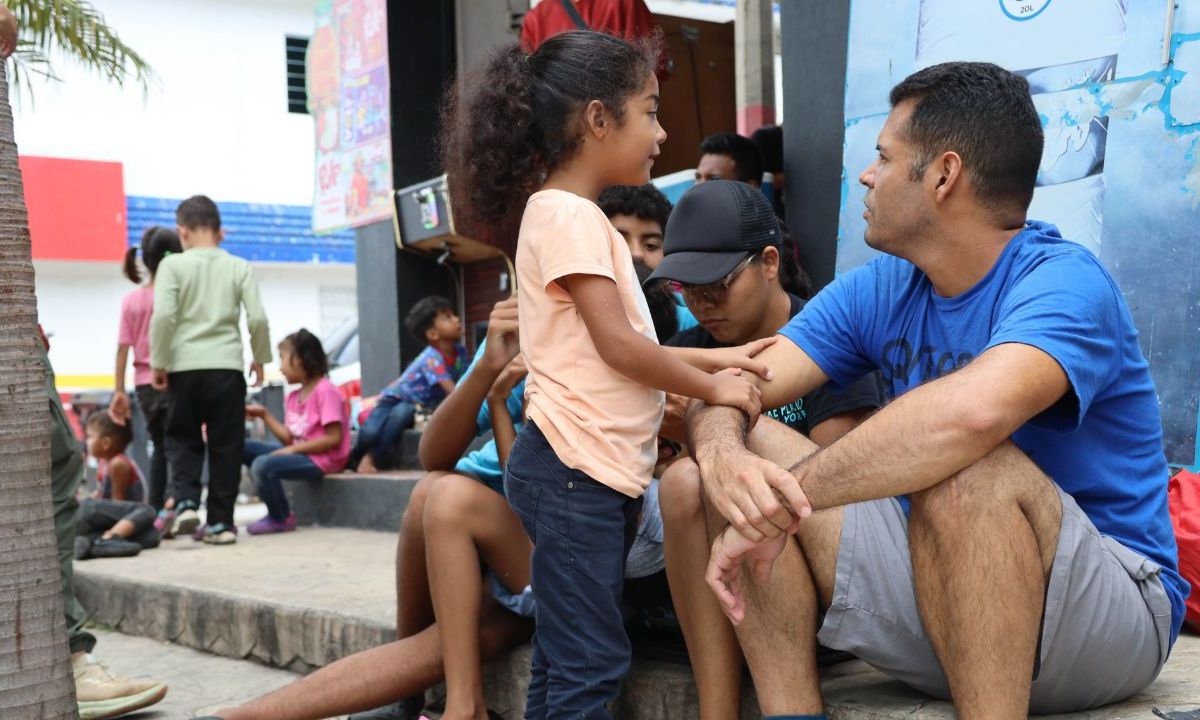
{"x":645,"y":202}
{"x":308,"y":350}
{"x":518,"y":117}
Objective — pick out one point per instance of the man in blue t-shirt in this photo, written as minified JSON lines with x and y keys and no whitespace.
{"x":998,"y":534}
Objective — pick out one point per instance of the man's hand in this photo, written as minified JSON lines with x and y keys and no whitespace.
{"x":729,"y":388}
{"x":8,"y":32}
{"x":255,"y":411}
{"x":118,"y":409}
{"x":724,"y":574}
{"x":747,"y":491}
{"x":502,"y":341}
{"x":742,"y":356}
{"x":159,"y":382}
{"x":256,"y":371}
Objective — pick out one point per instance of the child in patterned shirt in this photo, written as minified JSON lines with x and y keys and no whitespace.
{"x":423,"y":384}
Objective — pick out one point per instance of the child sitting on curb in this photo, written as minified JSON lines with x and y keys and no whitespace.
{"x":115,"y":521}
{"x":424,"y":383}
{"x":314,"y":432}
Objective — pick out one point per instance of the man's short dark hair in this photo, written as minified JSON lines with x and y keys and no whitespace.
{"x":422,"y":315}
{"x":985,"y":114}
{"x":745,"y":154}
{"x":197,"y":212}
{"x":645,"y":202}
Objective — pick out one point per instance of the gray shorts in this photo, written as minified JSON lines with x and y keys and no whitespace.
{"x":1106,"y":627}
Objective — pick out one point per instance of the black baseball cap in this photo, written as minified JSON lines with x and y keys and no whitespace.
{"x":713,"y":228}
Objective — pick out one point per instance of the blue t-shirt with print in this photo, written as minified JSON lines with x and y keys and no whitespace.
{"x":418,"y":384}
{"x":1101,"y":443}
{"x":484,"y":463}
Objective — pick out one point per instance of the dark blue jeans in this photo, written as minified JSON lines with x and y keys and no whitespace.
{"x":382,"y":430}
{"x":581,"y":531}
{"x":269,"y":471}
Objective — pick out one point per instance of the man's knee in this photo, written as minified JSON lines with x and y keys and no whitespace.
{"x":979,"y":487}
{"x":680,"y":494}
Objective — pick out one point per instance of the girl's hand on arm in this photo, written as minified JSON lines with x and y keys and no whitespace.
{"x":732,"y":389}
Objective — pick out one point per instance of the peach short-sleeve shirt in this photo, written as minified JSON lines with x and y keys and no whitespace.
{"x":597,"y":420}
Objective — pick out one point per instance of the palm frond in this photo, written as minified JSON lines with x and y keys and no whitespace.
{"x":76,"y":29}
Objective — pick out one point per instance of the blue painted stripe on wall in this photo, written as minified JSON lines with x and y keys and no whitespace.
{"x":258,"y":233}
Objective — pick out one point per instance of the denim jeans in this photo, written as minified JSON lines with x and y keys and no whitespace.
{"x":582,"y":531}
{"x":269,"y":471}
{"x":382,"y":431}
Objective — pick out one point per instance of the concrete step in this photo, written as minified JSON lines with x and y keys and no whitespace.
{"x":372,"y":501}
{"x":301,"y":600}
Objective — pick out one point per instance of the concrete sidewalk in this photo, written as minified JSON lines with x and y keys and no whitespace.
{"x":301,"y":600}
{"x":198,"y":683}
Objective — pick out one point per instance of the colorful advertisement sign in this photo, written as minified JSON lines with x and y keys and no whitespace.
{"x":348,"y":96}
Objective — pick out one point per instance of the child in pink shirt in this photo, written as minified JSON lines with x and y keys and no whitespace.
{"x":314,"y":432}
{"x":134,"y":333}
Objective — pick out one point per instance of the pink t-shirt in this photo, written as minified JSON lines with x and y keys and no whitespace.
{"x":136,"y":308}
{"x":596,"y":419}
{"x":306,"y":420}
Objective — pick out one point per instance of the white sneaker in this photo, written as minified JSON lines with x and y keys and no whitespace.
{"x":104,"y":694}
{"x":186,"y":523}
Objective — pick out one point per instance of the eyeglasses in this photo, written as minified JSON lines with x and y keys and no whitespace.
{"x":714,"y":293}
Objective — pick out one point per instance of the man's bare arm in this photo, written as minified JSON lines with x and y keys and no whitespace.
{"x":743,"y":487}
{"x":928,"y":434}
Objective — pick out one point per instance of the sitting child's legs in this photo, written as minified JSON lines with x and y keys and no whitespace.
{"x":269,"y":471}
{"x":399,"y":418}
{"x":120,"y":519}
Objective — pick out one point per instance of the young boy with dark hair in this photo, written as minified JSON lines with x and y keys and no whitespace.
{"x":729,"y":156}
{"x":115,"y":521}
{"x":196,"y":353}
{"x":424,"y":383}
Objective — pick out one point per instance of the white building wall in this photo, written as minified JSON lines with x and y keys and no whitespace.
{"x":79,"y":306}
{"x":214,"y":122}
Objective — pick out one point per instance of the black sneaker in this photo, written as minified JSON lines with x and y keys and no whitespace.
{"x":83,"y":546}
{"x":407,"y":709}
{"x":114,"y":547}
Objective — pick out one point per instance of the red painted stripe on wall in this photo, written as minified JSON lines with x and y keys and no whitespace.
{"x":76,"y":208}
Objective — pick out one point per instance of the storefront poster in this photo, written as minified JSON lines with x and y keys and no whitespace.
{"x":348,"y":94}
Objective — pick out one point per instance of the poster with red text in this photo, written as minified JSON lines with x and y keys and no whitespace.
{"x":348,"y":96}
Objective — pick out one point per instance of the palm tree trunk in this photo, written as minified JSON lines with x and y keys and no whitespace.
{"x":35,"y":669}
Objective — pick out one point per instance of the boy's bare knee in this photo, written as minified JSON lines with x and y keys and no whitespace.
{"x":451,"y":500}
{"x":415,"y":510}
{"x":680,"y":493}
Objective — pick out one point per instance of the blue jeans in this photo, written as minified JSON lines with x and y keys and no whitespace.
{"x":581,"y":531}
{"x":269,"y":471}
{"x":382,"y":431}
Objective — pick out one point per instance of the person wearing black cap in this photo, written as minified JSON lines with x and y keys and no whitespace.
{"x":723,"y":246}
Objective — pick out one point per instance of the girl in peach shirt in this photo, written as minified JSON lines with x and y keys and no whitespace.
{"x":578,"y":115}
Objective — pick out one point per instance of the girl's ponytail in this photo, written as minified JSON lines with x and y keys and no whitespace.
{"x":490,"y":142}
{"x":131,"y":265}
{"x":517,"y":117}
{"x":157,"y":244}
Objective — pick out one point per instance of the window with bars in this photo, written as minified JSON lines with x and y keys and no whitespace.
{"x":297,"y":91}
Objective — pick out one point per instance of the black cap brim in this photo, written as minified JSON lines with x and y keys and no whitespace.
{"x":697,"y":268}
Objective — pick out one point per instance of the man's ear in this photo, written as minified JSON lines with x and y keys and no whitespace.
{"x":770,"y":262}
{"x":947,"y":174}
{"x":596,"y":119}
